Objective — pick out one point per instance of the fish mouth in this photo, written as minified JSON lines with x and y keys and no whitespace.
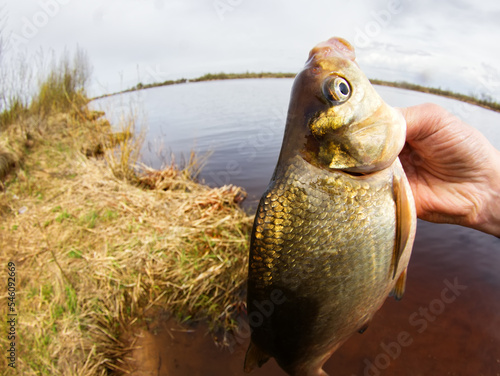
{"x":333,"y":47}
{"x":364,"y":128}
{"x":356,"y":174}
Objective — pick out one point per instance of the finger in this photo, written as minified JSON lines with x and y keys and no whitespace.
{"x":424,"y":120}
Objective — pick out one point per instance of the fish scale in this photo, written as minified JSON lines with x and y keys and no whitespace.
{"x":328,"y":224}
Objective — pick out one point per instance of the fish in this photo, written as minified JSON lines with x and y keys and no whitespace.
{"x":334,"y":230}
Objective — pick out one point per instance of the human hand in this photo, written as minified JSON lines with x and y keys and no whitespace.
{"x":453,"y":170}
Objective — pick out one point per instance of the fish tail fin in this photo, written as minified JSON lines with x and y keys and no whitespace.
{"x":399,"y":288}
{"x":254,"y":357}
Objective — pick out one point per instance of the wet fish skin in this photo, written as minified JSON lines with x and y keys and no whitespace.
{"x":334,"y":229}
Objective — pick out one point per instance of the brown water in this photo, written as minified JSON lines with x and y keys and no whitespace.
{"x":435,"y":330}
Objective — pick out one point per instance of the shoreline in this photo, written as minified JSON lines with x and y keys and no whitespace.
{"x":104,"y":244}
{"x":484,"y":103}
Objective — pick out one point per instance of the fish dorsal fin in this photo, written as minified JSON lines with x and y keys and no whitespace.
{"x":404,"y":219}
{"x":254,"y":357}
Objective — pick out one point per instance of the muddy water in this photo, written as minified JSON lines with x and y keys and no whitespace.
{"x":448,"y":322}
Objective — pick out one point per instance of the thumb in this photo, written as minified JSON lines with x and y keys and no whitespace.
{"x":424,"y":120}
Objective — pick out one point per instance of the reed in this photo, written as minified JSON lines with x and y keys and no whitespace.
{"x":63,"y":88}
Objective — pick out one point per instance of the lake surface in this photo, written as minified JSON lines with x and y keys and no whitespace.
{"x":241,"y":122}
{"x":448,"y":322}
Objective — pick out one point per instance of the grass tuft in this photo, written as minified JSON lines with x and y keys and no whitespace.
{"x":63,"y":89}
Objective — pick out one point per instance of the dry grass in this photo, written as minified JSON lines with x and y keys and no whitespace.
{"x":98,"y":245}
{"x":14,"y":143}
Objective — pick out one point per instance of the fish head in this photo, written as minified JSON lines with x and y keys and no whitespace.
{"x":336,"y":119}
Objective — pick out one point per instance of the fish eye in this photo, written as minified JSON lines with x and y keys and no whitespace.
{"x":336,"y":89}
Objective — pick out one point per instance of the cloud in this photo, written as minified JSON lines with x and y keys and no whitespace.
{"x":436,"y":43}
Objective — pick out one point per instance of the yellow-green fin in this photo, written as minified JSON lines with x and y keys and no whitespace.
{"x":403,"y":221}
{"x":399,"y":287}
{"x":254,"y":357}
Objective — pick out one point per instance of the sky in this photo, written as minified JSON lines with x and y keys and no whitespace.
{"x":449,"y":44}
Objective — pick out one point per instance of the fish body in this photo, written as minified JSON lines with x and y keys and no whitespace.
{"x":333,"y":232}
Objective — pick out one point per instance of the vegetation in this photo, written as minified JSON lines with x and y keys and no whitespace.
{"x":64,"y":87}
{"x":101,"y":244}
{"x":488,"y":103}
{"x":230,"y":76}
{"x":206,"y":77}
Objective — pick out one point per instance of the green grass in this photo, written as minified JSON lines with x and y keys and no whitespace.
{"x":64,"y":215}
{"x":89,"y":219}
{"x":109,"y":215}
{"x":75,"y":253}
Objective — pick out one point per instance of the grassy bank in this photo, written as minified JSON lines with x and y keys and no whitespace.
{"x":100,"y":245}
{"x":486,"y":103}
{"x":205,"y":77}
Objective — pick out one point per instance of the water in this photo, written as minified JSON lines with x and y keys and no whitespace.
{"x":435,"y":330}
{"x":241,"y":123}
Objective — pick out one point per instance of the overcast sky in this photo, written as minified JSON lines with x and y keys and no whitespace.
{"x":450,"y":44}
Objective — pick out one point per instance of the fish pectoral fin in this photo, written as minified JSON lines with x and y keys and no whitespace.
{"x":403,"y":220}
{"x":254,"y":357}
{"x":399,"y":288}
